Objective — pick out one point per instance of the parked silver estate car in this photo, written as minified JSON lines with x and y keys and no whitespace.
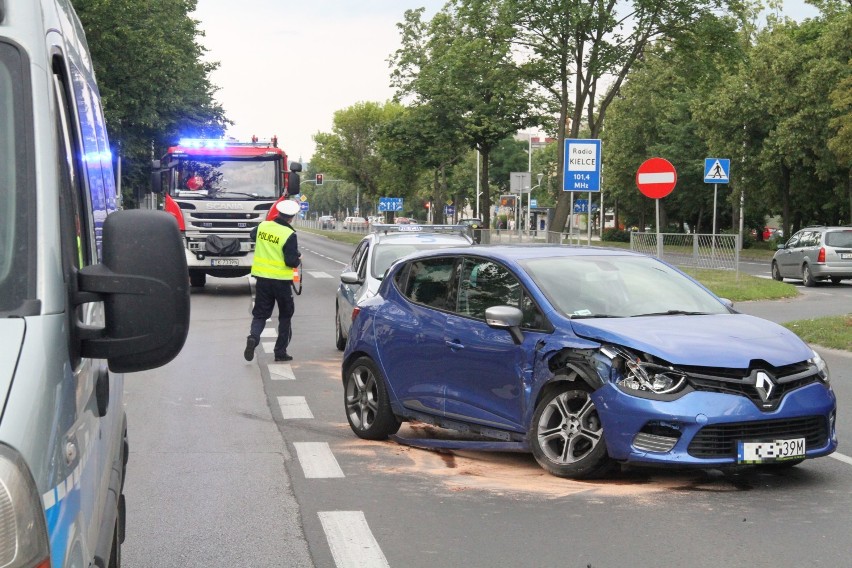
{"x":814,"y":254}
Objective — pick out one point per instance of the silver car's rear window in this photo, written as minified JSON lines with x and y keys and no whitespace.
{"x":841,"y":239}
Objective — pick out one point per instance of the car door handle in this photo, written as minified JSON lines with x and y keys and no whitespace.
{"x":455,"y":345}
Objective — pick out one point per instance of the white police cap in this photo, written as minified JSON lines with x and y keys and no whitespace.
{"x":288,"y":207}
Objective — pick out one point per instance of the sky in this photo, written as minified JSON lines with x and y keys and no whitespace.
{"x":286,"y":66}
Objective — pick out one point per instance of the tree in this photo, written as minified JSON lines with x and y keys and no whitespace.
{"x":578,"y":43}
{"x":462,"y":61}
{"x":154,"y":84}
{"x":351,"y":151}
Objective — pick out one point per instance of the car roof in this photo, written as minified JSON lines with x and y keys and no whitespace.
{"x":514,"y":253}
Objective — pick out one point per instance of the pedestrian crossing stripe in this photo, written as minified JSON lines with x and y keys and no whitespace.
{"x":716,"y":170}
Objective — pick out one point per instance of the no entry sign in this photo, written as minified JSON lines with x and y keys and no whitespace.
{"x":656,"y":178}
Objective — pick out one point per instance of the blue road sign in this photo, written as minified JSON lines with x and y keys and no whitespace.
{"x":717,"y":170}
{"x":390,"y":204}
{"x":533,"y":203}
{"x":449,"y":210}
{"x":581,"y":206}
{"x":582,"y":165}
{"x":303,"y":206}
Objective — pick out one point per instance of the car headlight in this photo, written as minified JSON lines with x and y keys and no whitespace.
{"x":822,"y":367}
{"x":23,"y":532}
{"x":635,"y":374}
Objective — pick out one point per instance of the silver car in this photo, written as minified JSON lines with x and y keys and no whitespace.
{"x":375,"y":253}
{"x":814,"y":254}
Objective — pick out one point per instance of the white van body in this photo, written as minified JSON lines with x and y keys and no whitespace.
{"x":72,"y":310}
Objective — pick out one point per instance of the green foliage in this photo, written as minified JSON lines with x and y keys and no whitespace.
{"x":154,"y":84}
{"x":615,"y":235}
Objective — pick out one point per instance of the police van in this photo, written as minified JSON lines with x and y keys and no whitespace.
{"x":82,"y":299}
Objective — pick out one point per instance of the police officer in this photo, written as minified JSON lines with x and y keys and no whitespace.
{"x":276,"y":254}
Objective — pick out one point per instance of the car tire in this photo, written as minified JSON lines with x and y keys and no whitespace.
{"x":776,"y":274}
{"x":566,"y":435}
{"x":808,"y":278}
{"x":197,"y":279}
{"x":340,"y":341}
{"x":366,"y":401}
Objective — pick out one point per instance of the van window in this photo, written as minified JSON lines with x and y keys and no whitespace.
{"x":17,"y":223}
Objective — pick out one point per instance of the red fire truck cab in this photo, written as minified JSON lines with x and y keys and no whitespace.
{"x":219,"y":190}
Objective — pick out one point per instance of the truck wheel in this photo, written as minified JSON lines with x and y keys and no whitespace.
{"x":197,"y":279}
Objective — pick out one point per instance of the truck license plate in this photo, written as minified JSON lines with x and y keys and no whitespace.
{"x":766,"y":452}
{"x":225,"y":262}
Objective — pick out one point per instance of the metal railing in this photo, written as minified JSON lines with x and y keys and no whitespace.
{"x":690,"y":250}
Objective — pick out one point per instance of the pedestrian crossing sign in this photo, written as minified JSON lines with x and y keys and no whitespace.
{"x":717,"y":170}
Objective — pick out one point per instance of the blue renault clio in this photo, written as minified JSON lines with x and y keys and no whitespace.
{"x":587,"y":357}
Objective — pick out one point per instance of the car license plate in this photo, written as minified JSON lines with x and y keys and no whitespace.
{"x":775,"y":450}
{"x":224,"y":262}
{"x":846,"y":255}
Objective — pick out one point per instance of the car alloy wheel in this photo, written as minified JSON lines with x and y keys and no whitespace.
{"x":776,"y":274}
{"x":567,"y":435}
{"x":366,"y":399}
{"x":808,"y":278}
{"x":340,"y":341}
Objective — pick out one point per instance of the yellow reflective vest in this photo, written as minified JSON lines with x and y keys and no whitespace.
{"x":269,"y":251}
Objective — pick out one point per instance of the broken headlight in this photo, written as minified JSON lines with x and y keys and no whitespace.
{"x":637,"y":374}
{"x":822,"y":368}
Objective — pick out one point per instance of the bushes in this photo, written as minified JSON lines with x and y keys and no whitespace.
{"x":615,"y":235}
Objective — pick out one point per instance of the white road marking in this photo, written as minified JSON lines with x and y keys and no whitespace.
{"x":351,"y":541}
{"x":294,"y":407}
{"x":267,"y":346}
{"x":269,"y":332}
{"x":326,"y":257}
{"x":281,"y":372}
{"x":840,"y":457}
{"x":317,"y":460}
{"x":317,"y":274}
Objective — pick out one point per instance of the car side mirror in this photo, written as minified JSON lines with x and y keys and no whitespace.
{"x":145,"y":296}
{"x":349,"y":277}
{"x":782,"y":246}
{"x":508,"y":318}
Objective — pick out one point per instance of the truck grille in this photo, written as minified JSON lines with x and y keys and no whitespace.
{"x":720,"y":440}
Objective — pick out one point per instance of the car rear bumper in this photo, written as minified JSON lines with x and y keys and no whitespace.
{"x":703,"y":428}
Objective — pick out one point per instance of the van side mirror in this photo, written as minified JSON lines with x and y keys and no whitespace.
{"x":156,"y":177}
{"x":146,"y":297}
{"x":293,"y":184}
{"x":295,"y":167}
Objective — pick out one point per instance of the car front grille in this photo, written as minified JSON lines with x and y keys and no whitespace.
{"x":720,"y":440}
{"x":741,"y":382}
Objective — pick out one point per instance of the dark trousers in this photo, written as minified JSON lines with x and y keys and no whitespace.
{"x":268,"y":292}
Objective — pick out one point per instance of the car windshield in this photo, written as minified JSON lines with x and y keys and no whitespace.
{"x":618,"y":286}
{"x":225,"y":179}
{"x":16,"y":199}
{"x":387,"y":253}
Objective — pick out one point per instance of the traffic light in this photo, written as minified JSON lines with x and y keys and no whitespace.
{"x":319,"y":179}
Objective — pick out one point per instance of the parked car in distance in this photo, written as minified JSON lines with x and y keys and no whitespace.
{"x":404,"y":221}
{"x":587,"y":358}
{"x":350,"y":223}
{"x":815,"y":254}
{"x":375,"y":253}
{"x":327,"y":222}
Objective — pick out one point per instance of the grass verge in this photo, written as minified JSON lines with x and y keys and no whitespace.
{"x":834,"y":332}
{"x":742,"y":288}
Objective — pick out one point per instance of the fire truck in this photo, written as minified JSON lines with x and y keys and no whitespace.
{"x":219,"y":190}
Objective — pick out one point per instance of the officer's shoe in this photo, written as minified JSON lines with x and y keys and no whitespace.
{"x":284,"y":357}
{"x":251,"y":343}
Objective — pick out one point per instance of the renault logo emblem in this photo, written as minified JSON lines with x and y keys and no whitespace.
{"x":764,"y":385}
